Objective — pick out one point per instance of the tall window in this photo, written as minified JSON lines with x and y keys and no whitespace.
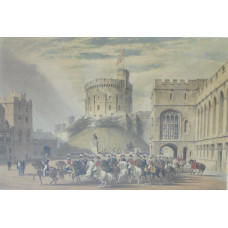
{"x":27,"y":136}
{"x":227,"y":111}
{"x":221,"y":105}
{"x":209,"y":119}
{"x":170,"y":125}
{"x":1,"y":136}
{"x":20,"y":136}
{"x":109,"y":107}
{"x":98,"y":107}
{"x":214,"y":116}
{"x":204,"y":124}
{"x":2,"y":150}
{"x":8,"y":136}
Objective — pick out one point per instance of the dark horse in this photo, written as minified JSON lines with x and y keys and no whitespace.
{"x":143,"y":166}
{"x":196,"y":165}
{"x":110,"y":167}
{"x":52,"y":173}
{"x":79,"y":169}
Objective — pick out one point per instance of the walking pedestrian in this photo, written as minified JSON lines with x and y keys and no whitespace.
{"x":9,"y":165}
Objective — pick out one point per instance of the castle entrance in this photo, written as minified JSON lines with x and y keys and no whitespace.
{"x":46,"y":151}
{"x":169,"y":150}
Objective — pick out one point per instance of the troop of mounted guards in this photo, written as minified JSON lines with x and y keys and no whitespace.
{"x":108,"y":168}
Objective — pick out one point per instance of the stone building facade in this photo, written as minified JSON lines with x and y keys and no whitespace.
{"x":18,"y":115}
{"x":106,"y":97}
{"x":191,"y":118}
{"x":16,"y":130}
{"x":44,"y":144}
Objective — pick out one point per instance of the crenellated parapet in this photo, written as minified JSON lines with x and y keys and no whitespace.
{"x":177,"y":84}
{"x":102,"y":82}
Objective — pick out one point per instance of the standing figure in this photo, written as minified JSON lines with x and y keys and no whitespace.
{"x":9,"y":165}
{"x":22,"y":167}
{"x":19,"y":167}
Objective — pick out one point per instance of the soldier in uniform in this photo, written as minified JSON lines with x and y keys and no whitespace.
{"x":114,"y":160}
{"x":130,"y":163}
{"x":97,"y":163}
{"x":123,"y":157}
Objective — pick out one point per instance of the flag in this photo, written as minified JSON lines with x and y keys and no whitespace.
{"x":120,"y":58}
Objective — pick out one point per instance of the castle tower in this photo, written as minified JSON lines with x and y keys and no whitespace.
{"x":18,"y":113}
{"x":107,"y":97}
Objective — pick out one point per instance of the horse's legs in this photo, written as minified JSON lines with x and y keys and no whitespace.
{"x":130,"y":179}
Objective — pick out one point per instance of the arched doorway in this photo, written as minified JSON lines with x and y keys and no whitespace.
{"x":185,"y":153}
{"x":46,"y":151}
{"x":169,"y":150}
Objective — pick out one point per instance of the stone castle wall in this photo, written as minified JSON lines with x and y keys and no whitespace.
{"x":202,"y":108}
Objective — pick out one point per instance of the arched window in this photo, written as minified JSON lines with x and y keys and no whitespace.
{"x":27,"y":137}
{"x":221,"y":105}
{"x":227,"y":111}
{"x":214,"y":117}
{"x":185,"y":96}
{"x":209,"y":119}
{"x":204,"y":121}
{"x":198,"y":130}
{"x":170,"y":125}
{"x":20,"y":136}
{"x":109,"y":107}
{"x":98,"y":107}
{"x":119,"y":107}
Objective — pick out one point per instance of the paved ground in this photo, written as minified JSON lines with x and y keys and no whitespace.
{"x":11,"y":180}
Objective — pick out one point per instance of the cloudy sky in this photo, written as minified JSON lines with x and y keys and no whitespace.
{"x":53,"y":71}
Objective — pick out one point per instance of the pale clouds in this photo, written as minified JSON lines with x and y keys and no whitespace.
{"x":69,"y":63}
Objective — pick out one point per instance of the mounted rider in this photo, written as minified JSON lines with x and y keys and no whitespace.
{"x":46,"y":168}
{"x":130,"y":163}
{"x":84,"y":163}
{"x":69,"y":163}
{"x":114,"y":160}
{"x":97,"y":163}
{"x":122,"y":157}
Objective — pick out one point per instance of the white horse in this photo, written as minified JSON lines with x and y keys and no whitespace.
{"x":102,"y":176}
{"x":123,"y":170}
{"x":89,"y":171}
{"x":136,"y":172}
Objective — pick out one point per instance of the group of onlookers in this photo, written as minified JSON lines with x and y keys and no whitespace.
{"x":20,"y":166}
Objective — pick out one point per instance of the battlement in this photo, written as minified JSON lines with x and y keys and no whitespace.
{"x":177,"y":84}
{"x":219,"y":77}
{"x":103,"y":82}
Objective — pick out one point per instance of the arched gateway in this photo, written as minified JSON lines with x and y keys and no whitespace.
{"x":169,"y":149}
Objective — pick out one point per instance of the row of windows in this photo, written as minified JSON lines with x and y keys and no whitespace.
{"x":109,"y":108}
{"x":171,"y":96}
{"x":3,"y":150}
{"x":207,"y":118}
{"x":209,"y":154}
{"x":26,"y":109}
{"x":5,"y":134}
{"x":27,"y":137}
{"x":20,"y":119}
